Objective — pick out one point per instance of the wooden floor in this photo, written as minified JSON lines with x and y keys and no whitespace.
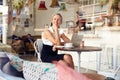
{"x":28,"y":57}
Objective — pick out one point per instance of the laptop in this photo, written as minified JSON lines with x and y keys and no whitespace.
{"x":76,"y":39}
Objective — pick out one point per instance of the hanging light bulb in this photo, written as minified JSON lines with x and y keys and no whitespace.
{"x":72,"y":1}
{"x":62,"y":7}
{"x":42,"y":5}
{"x":14,"y":14}
{"x":54,"y":3}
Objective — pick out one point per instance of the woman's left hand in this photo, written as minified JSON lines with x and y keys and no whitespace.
{"x":54,"y":48}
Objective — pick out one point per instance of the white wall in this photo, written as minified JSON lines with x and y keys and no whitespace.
{"x":44,"y":16}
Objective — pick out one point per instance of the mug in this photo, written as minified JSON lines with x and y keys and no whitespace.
{"x":68,"y":45}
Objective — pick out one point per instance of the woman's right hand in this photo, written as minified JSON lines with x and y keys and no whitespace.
{"x":55,"y":27}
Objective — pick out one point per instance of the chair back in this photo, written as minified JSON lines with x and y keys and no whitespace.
{"x":38,"y":45}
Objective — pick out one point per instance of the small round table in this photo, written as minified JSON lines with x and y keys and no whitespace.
{"x":81,"y":49}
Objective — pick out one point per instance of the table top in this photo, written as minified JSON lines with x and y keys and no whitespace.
{"x":81,"y":49}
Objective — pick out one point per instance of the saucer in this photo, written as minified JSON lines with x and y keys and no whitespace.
{"x":68,"y":47}
{"x":59,"y":46}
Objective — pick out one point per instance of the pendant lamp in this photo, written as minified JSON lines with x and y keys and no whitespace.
{"x":54,"y":3}
{"x":42,"y":5}
{"x":72,"y":1}
{"x":14,"y":14}
{"x":62,"y":7}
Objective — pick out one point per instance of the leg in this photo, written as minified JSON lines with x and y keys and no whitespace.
{"x":68,"y":59}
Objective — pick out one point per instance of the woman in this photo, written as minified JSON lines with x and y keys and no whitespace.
{"x":52,"y":38}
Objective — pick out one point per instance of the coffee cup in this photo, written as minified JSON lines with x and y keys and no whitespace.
{"x":68,"y":45}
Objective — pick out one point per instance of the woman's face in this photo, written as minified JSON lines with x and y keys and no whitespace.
{"x":56,"y":20}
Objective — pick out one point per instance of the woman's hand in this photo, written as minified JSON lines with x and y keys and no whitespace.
{"x":55,"y":27}
{"x":54,"y":48}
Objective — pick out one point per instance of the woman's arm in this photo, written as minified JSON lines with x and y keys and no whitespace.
{"x":57,"y":36}
{"x":48,"y":35}
{"x":65,"y":39}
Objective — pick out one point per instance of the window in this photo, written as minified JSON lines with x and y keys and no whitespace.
{"x":97,"y":1}
{"x":1,"y":2}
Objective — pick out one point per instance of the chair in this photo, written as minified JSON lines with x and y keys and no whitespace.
{"x":38,"y":47}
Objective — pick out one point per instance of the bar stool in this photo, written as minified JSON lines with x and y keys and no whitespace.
{"x":113,"y":50}
{"x":110,"y":53}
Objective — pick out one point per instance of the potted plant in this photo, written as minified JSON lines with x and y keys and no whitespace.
{"x":116,"y":6}
{"x":103,"y":2}
{"x":17,"y":5}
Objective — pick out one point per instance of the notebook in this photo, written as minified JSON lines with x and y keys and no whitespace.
{"x":76,"y":39}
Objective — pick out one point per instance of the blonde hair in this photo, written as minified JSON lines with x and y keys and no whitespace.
{"x":58,"y":15}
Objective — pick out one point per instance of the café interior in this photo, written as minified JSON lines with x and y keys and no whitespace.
{"x":99,"y":25}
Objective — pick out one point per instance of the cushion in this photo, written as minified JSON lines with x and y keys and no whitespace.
{"x":39,"y":71}
{"x":2,"y":78}
{"x":8,"y":69}
{"x":16,"y":62}
{"x":3,"y":59}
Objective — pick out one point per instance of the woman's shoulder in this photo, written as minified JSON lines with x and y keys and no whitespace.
{"x":46,"y":31}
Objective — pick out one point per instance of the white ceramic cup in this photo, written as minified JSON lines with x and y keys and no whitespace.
{"x":68,"y":45}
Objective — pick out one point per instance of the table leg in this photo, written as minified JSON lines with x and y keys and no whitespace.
{"x":79,"y":61}
{"x":98,"y":61}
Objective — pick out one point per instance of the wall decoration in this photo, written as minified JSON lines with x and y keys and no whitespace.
{"x":26,"y":23}
{"x":42,"y":5}
{"x":63,"y":7}
{"x":54,"y":4}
